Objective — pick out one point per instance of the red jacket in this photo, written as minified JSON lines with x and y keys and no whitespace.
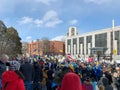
{"x":14,"y":81}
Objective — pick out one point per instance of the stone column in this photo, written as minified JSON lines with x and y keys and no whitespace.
{"x":81,"y":48}
{"x":93,"y":40}
{"x":85,"y":45}
{"x":108,"y":43}
{"x":74,"y":49}
{"x":71,"y":46}
{"x":78,"y":46}
{"x":66,"y":47}
{"x":89,"y":46}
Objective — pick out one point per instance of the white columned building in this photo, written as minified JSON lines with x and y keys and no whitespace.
{"x":101,"y":42}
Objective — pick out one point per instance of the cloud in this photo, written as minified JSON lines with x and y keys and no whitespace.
{"x":59,"y":38}
{"x":50,"y":19}
{"x":46,"y":2}
{"x":53,"y":23}
{"x":25,"y":20}
{"x":38,"y":22}
{"x":73,"y":22}
{"x":28,"y":38}
{"x":99,"y":2}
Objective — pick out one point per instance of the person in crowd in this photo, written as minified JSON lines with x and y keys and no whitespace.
{"x":50,"y":75}
{"x":98,"y":72}
{"x":62,"y":71}
{"x":109,"y":76}
{"x":116,"y":79}
{"x":38,"y":76}
{"x":105,"y":82}
{"x":71,"y":81}
{"x":3,"y":60}
{"x":94,"y":84}
{"x":101,"y":87}
{"x":28,"y":72}
{"x":12,"y":79}
{"x":44,"y":71}
{"x":87,"y":84}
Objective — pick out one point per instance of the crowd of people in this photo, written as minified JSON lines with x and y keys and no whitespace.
{"x":43,"y":74}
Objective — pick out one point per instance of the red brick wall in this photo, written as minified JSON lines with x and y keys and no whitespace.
{"x":56,"y":47}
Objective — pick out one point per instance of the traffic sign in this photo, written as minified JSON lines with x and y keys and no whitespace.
{"x":114,"y":51}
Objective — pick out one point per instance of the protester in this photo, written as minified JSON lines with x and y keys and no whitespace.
{"x":12,"y":79}
{"x":105,"y":82}
{"x":50,"y":75}
{"x":101,"y":87}
{"x":60,"y":75}
{"x":94,"y":84}
{"x":44,"y":77}
{"x":88,"y":84}
{"x":28,"y":72}
{"x":3,"y":61}
{"x":71,"y":81}
{"x":38,"y":76}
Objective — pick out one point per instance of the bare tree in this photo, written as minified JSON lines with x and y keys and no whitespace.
{"x":46,"y":46}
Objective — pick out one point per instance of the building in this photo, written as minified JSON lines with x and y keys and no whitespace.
{"x":105,"y":42}
{"x":34,"y":47}
{"x":46,"y":47}
{"x":24,"y":47}
{"x":57,"y":47}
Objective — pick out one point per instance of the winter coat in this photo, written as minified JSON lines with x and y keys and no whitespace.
{"x":2,"y":68}
{"x":94,"y":85}
{"x":108,"y":75}
{"x":105,"y":82}
{"x":38,"y":72}
{"x":28,"y":71}
{"x":11,"y":81}
{"x":88,"y":85}
{"x":44,"y":77}
{"x":49,"y":79}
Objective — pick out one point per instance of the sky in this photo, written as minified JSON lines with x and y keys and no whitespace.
{"x":37,"y":19}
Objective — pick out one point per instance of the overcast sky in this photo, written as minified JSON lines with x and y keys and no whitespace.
{"x":35,"y":19}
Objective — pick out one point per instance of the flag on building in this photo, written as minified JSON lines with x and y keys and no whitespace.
{"x":61,"y":51}
{"x":35,"y":50}
{"x":69,"y":57}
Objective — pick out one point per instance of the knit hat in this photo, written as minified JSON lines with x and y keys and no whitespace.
{"x":71,"y":81}
{"x":14,"y":65}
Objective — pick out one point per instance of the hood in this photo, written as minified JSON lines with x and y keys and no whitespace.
{"x":9,"y":76}
{"x":71,"y":81}
{"x":105,"y":81}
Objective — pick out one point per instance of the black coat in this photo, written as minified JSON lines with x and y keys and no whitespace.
{"x":28,"y":71}
{"x":2,"y":68}
{"x":38,"y":72}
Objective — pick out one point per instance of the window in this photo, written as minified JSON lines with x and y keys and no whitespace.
{"x":101,"y":40}
{"x":72,"y":31}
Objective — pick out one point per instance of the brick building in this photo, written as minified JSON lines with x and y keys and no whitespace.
{"x":46,"y":47}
